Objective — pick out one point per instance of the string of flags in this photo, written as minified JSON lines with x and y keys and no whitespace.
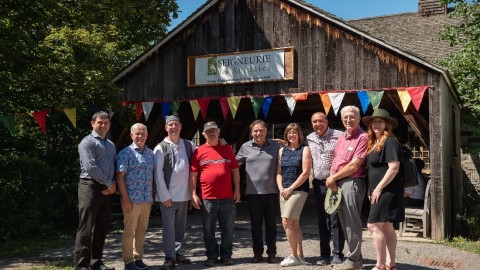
{"x":330,"y":100}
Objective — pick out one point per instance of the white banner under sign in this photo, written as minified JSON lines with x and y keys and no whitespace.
{"x":238,"y":68}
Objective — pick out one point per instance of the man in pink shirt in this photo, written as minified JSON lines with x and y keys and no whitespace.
{"x":348,"y":172}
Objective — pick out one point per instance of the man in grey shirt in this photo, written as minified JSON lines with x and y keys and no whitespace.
{"x":96,"y":185}
{"x":260,"y":156}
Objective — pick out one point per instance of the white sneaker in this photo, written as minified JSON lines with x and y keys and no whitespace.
{"x":290,"y":261}
{"x":302,"y":261}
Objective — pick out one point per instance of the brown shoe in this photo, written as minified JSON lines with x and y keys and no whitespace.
{"x":257,"y":258}
{"x":272,"y":258}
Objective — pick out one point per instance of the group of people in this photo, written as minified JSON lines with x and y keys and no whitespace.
{"x":277,"y":176}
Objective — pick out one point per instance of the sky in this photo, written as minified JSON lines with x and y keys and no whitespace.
{"x":345,"y":9}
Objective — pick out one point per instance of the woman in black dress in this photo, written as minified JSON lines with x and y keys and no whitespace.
{"x":385,"y":186}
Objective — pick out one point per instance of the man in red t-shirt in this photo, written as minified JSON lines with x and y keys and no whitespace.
{"x":216,"y":165}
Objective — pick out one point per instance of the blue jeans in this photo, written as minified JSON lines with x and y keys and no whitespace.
{"x":225,"y":211}
{"x":328,"y":225}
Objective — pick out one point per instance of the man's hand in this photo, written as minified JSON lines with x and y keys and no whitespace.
{"x":331,"y":183}
{"x":222,"y":141}
{"x":110,"y":190}
{"x":126,"y":204}
{"x":236,"y":196}
{"x":167,"y":203}
{"x":196,"y":202}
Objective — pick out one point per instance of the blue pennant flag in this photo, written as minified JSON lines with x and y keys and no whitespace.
{"x":166,"y":107}
{"x":364,"y":100}
{"x":267,"y":102}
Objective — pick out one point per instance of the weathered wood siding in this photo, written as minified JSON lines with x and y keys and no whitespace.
{"x":326,"y":56}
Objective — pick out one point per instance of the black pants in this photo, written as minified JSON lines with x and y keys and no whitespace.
{"x":328,"y":225}
{"x":94,"y":211}
{"x":263,"y":208}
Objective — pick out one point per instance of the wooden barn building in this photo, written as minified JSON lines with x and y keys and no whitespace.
{"x":232,"y":57}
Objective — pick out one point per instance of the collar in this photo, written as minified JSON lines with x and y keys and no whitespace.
{"x":266,"y":143}
{"x":355,"y":132}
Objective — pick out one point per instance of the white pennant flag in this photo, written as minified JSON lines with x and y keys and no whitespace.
{"x":336,"y":100}
{"x":291,"y":102}
{"x":147,"y":109}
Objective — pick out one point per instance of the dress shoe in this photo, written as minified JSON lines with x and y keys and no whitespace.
{"x":101,"y":266}
{"x":130,"y":266}
{"x":257,"y":258}
{"x":272,"y":258}
{"x":168,"y":264}
{"x":181,"y":259}
{"x":141,"y":265}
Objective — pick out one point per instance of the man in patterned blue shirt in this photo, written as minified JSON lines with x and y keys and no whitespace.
{"x":97,"y":183}
{"x":134,"y":181}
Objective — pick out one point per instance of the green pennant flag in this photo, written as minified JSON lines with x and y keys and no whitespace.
{"x":375,"y":98}
{"x":9,"y":122}
{"x":257,"y":104}
{"x":175,"y":107}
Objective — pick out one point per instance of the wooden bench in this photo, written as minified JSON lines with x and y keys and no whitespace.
{"x":418,"y":219}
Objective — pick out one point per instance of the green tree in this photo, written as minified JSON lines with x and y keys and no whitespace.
{"x":464,"y":65}
{"x":57,"y":54}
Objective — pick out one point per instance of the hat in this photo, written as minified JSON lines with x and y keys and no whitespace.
{"x":381,"y":113}
{"x":172,"y":117}
{"x":209,"y":125}
{"x":333,"y":200}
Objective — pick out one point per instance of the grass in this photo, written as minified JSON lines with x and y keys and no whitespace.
{"x":28,"y":247}
{"x":464,"y":244}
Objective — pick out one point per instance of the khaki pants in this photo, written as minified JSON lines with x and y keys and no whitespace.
{"x":135,"y":227}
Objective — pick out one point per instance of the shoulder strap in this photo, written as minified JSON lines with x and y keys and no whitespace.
{"x":188,"y":149}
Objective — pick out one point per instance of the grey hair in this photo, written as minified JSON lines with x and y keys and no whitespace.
{"x":137,"y":126}
{"x":352,"y":108}
{"x":101,"y":115}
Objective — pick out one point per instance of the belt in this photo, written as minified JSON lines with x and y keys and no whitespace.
{"x":321,"y":180}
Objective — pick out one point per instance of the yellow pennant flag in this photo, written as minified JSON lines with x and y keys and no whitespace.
{"x":195,"y":108}
{"x":233,"y":103}
{"x":404,"y":98}
{"x":72,"y":115}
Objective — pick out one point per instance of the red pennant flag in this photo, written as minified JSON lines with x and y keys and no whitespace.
{"x":138,"y":110}
{"x":300,"y":96}
{"x":203,"y":103}
{"x":417,"y":93}
{"x":224,"y":106}
{"x":41,"y":118}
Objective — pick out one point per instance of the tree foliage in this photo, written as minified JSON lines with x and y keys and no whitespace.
{"x":464,"y":65}
{"x":57,"y":54}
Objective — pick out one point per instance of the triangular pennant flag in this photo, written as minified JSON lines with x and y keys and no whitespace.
{"x":364,"y":100}
{"x":72,"y":115}
{"x":175,"y":107}
{"x":203,"y":103}
{"x":9,"y":122}
{"x":300,"y":96}
{"x":267,"y":102}
{"x":336,"y":99}
{"x":138,"y":110}
{"x":147,"y":109}
{"x":41,"y":118}
{"x":416,"y":94}
{"x":291,"y":102}
{"x":110,"y":114}
{"x":166,"y":107}
{"x":224,"y":106}
{"x":195,"y":108}
{"x":375,"y":98}
{"x":233,"y":103}
{"x":256,"y":104}
{"x":404,"y":98}
{"x":326,"y":102}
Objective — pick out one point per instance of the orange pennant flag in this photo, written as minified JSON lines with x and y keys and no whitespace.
{"x":300,"y":96}
{"x":326,"y":102}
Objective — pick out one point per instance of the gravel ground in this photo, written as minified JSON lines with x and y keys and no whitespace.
{"x":412,"y":252}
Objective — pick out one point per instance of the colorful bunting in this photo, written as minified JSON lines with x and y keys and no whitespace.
{"x":9,"y":122}
{"x":195,"y":108}
{"x":138,"y":110}
{"x":364,"y":100}
{"x":110,"y":114}
{"x":166,"y":107}
{"x":147,"y":109}
{"x":72,"y":115}
{"x":175,"y":107}
{"x":326,"y":102}
{"x":404,"y":98}
{"x":336,"y":99}
{"x":300,"y":96}
{"x":291,"y":102}
{"x":224,"y":105}
{"x":233,"y":103}
{"x":256,"y":104}
{"x":267,"y":102}
{"x":203,"y":103}
{"x":375,"y":98}
{"x":416,"y":94}
{"x":41,"y":118}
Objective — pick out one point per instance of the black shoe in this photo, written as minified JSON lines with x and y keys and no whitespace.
{"x":181,"y":259}
{"x":272,"y":258}
{"x":228,"y":261}
{"x":141,"y":265}
{"x":130,"y":266}
{"x":168,"y":264}
{"x":257,"y":258}
{"x":101,"y":266}
{"x":210,"y":262}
